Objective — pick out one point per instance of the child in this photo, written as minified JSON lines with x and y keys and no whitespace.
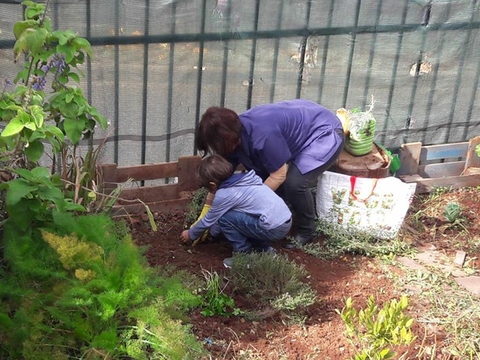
{"x":247,"y":212}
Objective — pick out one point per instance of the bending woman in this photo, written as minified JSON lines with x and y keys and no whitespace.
{"x":288,"y":144}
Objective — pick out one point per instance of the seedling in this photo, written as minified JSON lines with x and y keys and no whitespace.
{"x":374,"y":330}
{"x":453,"y":214}
{"x":216,"y":302}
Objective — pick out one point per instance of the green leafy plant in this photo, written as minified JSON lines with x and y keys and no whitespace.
{"x":40,"y":106}
{"x":215,"y":301}
{"x":32,"y":114}
{"x":194,"y":208}
{"x":452,"y":212}
{"x":273,"y":281}
{"x":375,"y":330}
{"x":33,"y":196}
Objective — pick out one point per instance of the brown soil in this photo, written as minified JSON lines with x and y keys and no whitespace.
{"x":322,"y":334}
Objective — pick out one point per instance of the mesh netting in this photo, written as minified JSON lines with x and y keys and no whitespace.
{"x":159,"y":64}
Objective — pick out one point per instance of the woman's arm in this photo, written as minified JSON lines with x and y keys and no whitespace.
{"x":277,"y":178}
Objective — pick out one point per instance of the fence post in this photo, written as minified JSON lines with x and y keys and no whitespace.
{"x":472,"y":159}
{"x":186,"y":173}
{"x":108,"y":177}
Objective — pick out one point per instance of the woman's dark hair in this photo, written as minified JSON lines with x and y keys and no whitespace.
{"x":213,"y":168}
{"x":218,"y":131}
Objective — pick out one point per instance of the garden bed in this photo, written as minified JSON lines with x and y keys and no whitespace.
{"x":321,"y":333}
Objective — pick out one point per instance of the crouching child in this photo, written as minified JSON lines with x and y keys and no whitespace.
{"x":248,"y":213}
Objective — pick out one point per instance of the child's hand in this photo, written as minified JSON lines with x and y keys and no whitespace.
{"x":185,"y":237}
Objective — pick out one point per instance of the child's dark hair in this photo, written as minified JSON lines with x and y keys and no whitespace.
{"x":213,"y":168}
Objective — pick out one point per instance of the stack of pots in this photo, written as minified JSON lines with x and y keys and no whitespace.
{"x":362,"y":144}
{"x":359,"y":130}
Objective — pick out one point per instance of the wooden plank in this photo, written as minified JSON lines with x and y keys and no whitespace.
{"x":453,"y":168}
{"x":150,"y":193}
{"x":186,"y":172}
{"x":454,"y":182}
{"x":409,"y":158}
{"x":445,"y":151}
{"x":472,"y":171}
{"x":108,"y":175}
{"x":472,"y":159}
{"x":147,"y":171}
{"x":410,"y":178}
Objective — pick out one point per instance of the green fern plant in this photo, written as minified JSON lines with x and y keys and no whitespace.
{"x":87,"y":291}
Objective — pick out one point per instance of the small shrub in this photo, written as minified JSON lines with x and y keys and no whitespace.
{"x":341,"y":241}
{"x":271,"y":280}
{"x":86,"y":291}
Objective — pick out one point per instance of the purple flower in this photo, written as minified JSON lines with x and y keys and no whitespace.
{"x":39,"y":83}
{"x":58,"y":61}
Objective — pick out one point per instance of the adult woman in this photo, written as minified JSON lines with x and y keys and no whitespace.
{"x":288,"y":144}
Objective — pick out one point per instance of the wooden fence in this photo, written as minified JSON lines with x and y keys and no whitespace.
{"x":450,"y":165}
{"x":453,"y":165}
{"x":168,"y":197}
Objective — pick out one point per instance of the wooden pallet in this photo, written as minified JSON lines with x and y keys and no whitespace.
{"x":450,"y":165}
{"x":160,"y":198}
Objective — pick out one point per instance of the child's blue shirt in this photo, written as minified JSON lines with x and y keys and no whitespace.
{"x":244,"y":192}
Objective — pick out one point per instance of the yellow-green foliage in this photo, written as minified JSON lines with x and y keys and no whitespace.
{"x":75,"y":254}
{"x":97,"y":296}
{"x":155,"y":330}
